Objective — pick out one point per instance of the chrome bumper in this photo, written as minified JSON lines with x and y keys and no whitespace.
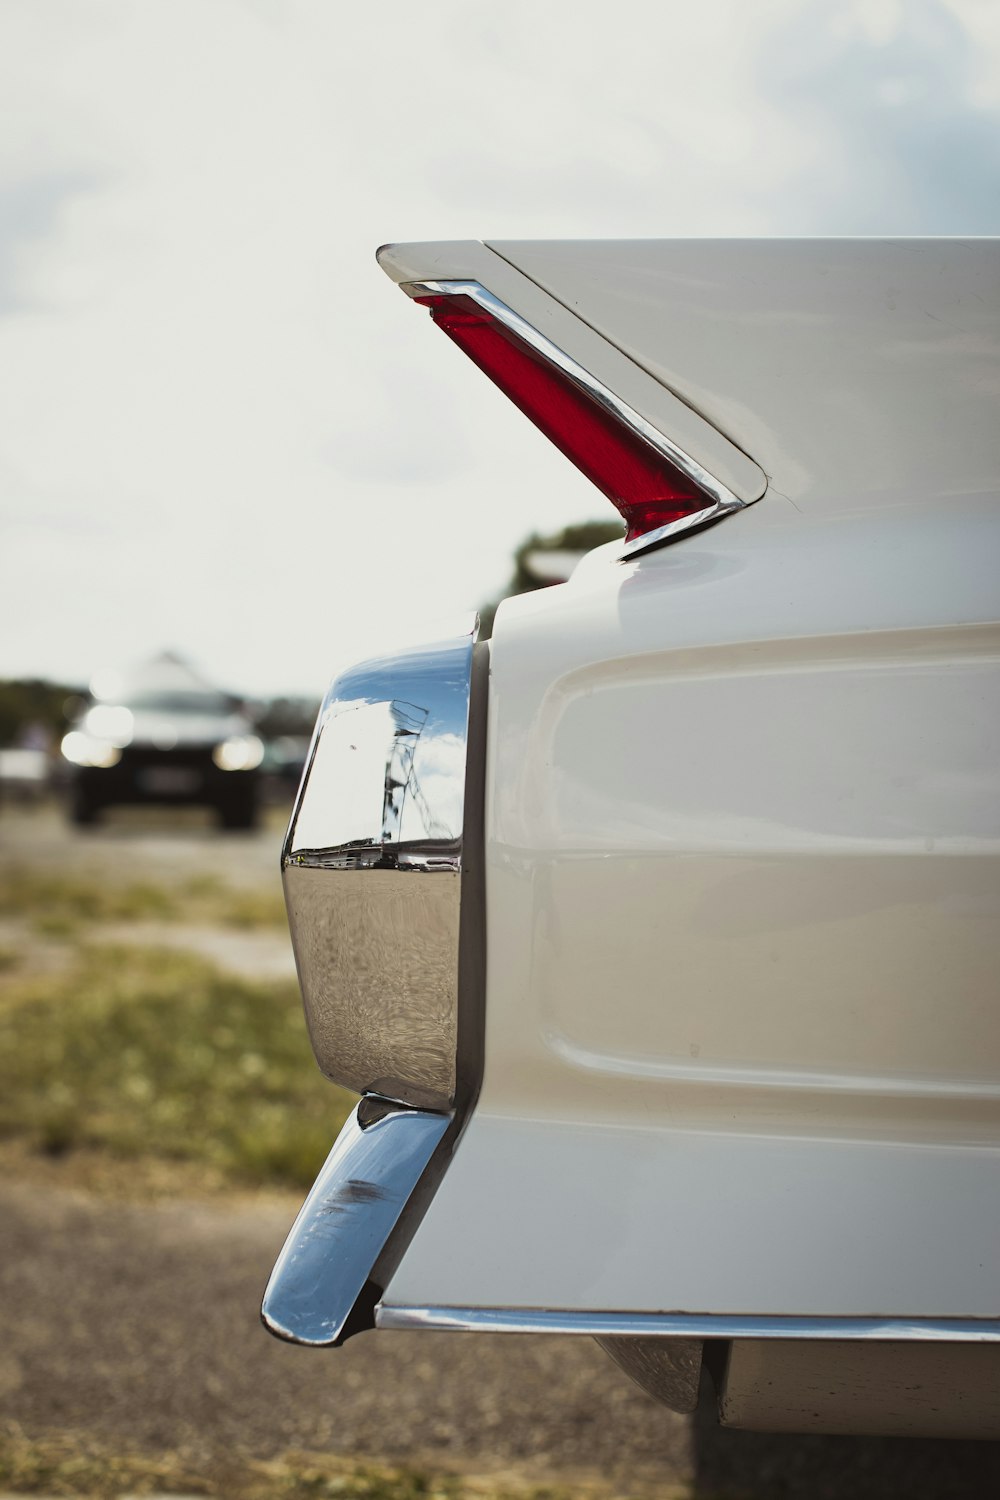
{"x":322,"y":1280}
{"x":382,"y":869}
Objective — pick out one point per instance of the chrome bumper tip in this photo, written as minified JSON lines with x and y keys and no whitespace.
{"x":321,"y":1289}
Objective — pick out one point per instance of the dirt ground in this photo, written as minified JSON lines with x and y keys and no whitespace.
{"x":139,"y":1321}
{"x":135,"y":1321}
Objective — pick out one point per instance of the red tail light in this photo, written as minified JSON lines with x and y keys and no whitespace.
{"x":645,"y":486}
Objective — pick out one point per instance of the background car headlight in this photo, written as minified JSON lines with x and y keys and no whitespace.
{"x":243,"y":752}
{"x":84,"y":750}
{"x":111,"y":723}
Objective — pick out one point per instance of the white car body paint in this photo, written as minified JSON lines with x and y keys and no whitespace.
{"x":856,"y":373}
{"x":743,"y":909}
{"x":742,"y":817}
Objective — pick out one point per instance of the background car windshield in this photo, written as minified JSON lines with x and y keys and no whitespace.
{"x":216,"y":704}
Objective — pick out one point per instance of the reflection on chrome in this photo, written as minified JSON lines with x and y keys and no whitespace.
{"x":347,"y":1220}
{"x":382,"y":801}
{"x":692,"y":1326}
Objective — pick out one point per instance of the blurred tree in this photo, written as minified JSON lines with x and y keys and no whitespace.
{"x":27,"y":703}
{"x":295,"y":716}
{"x":529,"y":569}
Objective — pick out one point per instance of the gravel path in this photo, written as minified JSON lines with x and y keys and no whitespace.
{"x":137,"y":1323}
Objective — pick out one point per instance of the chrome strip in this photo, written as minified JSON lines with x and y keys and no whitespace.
{"x":346,"y":1221}
{"x":684,"y":1325}
{"x":723,"y":500}
{"x":662,"y":534}
{"x":372,"y":869}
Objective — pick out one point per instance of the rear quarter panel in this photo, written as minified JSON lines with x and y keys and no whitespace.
{"x":743,"y":1044}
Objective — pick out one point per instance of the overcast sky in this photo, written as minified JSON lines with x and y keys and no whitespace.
{"x":225,"y":431}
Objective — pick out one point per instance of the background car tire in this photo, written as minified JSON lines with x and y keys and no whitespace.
{"x":83,"y":810}
{"x":239,"y":812}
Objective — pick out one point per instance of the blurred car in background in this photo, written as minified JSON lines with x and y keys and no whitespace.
{"x":160,"y":733}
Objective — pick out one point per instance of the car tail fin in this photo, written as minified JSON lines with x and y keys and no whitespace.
{"x":656,"y":460}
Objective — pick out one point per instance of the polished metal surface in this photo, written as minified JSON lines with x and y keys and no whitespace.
{"x":684,"y":1325}
{"x":667,"y":1369}
{"x":662,"y":534}
{"x":346,"y":1221}
{"x":723,"y":501}
{"x":371,"y":866}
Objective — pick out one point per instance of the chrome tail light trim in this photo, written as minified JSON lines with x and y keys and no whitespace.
{"x":322,"y":1283}
{"x":372,"y":868}
{"x":722,"y":500}
{"x":663,"y":534}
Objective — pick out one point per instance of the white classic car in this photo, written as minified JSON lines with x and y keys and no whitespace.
{"x":660,"y":934}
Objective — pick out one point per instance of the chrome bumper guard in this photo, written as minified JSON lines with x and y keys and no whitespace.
{"x":321,"y":1283}
{"x":382,"y":870}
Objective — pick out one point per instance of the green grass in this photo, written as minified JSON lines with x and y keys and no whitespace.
{"x":64,"y":905}
{"x":70,"y":1464}
{"x":62,"y":1466}
{"x":150,"y":1053}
